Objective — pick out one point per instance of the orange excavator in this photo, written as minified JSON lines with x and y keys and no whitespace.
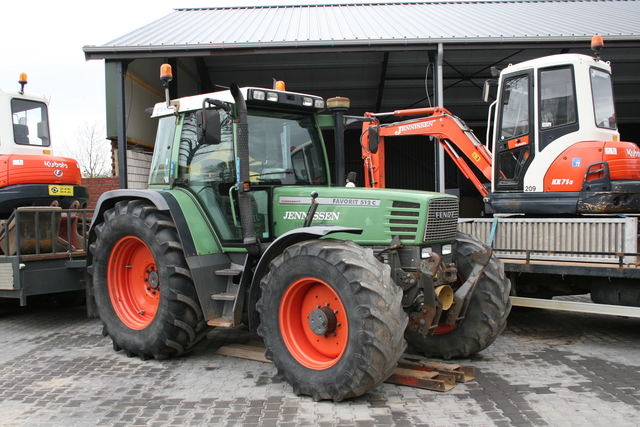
{"x":555,"y":147}
{"x":29,"y":173}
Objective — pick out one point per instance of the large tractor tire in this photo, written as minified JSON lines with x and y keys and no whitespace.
{"x":331,"y":319}
{"x":142,"y":286}
{"x":486,"y":315}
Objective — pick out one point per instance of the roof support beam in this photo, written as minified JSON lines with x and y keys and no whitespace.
{"x":383,"y":78}
{"x":206,"y":85}
{"x":440,"y":103}
{"x":121,"y":72}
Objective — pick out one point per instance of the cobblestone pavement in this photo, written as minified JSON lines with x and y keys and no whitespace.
{"x":547,"y":368}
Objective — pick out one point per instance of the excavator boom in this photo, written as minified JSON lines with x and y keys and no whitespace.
{"x":450,"y":131}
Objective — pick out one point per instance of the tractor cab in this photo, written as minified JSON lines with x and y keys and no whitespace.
{"x":284,"y":149}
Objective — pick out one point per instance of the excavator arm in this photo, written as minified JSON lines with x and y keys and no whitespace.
{"x":450,"y":131}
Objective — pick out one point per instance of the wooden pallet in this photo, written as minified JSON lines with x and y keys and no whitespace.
{"x":412,"y":371}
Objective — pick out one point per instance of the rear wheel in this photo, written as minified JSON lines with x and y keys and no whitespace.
{"x":142,"y":286}
{"x":486,"y":316}
{"x":331,"y":318}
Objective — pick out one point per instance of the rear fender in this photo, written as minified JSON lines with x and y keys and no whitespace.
{"x":276,"y":248}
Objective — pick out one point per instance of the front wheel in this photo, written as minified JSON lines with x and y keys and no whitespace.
{"x":486,"y":315}
{"x":142,"y":286}
{"x":331,"y":318}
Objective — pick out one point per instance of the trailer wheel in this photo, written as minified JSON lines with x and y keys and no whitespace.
{"x":486,"y":316}
{"x":142,"y":286}
{"x":331,"y":319}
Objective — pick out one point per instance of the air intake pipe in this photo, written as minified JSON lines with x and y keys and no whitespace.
{"x":242,"y":173}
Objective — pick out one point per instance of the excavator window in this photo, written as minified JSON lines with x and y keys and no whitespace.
{"x":603,"y":105}
{"x":514,"y":149}
{"x":30,"y":122}
{"x":512,"y":163}
{"x":557,"y":98}
{"x":515,"y":108}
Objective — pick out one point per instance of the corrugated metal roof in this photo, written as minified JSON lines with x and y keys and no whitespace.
{"x":264,"y":27}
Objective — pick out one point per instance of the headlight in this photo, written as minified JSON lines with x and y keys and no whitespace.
{"x":272,"y":96}
{"x":307,"y":102}
{"x":424,"y":253}
{"x":446,"y":249}
{"x":258,"y":95}
{"x":319,"y":104}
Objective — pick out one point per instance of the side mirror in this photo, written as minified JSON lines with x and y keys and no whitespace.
{"x":486,"y":89}
{"x":208,"y":127}
{"x":374,"y":138}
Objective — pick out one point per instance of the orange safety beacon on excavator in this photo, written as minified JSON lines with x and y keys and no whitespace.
{"x":29,"y":174}
{"x":555,"y":147}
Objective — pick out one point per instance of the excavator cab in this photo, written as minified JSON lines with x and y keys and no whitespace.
{"x":556,"y":146}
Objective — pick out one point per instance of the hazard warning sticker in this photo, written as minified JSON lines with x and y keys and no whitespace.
{"x":61,"y":190}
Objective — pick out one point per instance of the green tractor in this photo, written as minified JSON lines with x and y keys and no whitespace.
{"x":241,"y":224}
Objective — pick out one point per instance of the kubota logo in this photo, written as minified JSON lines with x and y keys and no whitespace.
{"x":58,"y":173}
{"x":633,"y":153}
{"x":50,"y":164}
{"x":414,"y":126}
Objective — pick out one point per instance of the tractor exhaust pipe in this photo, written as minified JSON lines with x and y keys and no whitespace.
{"x":242,"y":173}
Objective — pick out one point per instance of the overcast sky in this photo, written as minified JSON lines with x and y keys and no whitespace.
{"x":45,"y":38}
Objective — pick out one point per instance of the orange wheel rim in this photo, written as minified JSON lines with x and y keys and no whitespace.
{"x":313,"y":323}
{"x":443,"y":328}
{"x":133,"y":282}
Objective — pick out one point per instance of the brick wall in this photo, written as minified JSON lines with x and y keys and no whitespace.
{"x":97,"y":186}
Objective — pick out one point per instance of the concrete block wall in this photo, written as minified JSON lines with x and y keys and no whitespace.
{"x":138,"y":166}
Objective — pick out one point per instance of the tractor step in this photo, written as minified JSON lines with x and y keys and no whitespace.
{"x":411,"y":371}
{"x":234,"y":270}
{"x":221,"y":322}
{"x":223,"y":297}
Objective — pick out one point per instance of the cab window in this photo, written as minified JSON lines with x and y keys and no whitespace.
{"x":161,"y":164}
{"x":557,"y":98}
{"x":284,"y":148}
{"x":30,"y":124}
{"x":603,"y":106}
{"x":515,"y":108}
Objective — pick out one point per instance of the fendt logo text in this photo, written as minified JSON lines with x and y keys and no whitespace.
{"x":443,"y":215}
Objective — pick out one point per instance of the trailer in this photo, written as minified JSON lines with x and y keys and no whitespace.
{"x":549,"y":257}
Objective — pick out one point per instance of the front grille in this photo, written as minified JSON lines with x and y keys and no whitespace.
{"x":403,"y":221}
{"x":442,"y":221}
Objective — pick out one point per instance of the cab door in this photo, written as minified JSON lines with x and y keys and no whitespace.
{"x":514,"y":149}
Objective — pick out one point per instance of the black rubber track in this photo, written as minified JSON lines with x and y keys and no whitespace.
{"x":486,"y":316}
{"x":373,"y":306}
{"x":179,"y":322}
